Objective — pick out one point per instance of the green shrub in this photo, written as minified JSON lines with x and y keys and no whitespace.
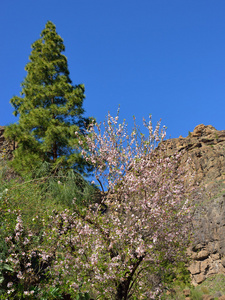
{"x":196,"y":294}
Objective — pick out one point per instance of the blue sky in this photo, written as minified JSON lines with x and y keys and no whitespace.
{"x":159,"y":57}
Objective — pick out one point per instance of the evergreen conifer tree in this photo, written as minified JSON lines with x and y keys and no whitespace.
{"x":50,"y":109}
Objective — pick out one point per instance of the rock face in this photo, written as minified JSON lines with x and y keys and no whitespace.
{"x":206,"y":148}
{"x":6,"y":147}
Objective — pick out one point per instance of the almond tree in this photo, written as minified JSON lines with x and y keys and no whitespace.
{"x":115,"y":253}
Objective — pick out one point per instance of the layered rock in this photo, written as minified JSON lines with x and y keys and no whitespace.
{"x":208,"y":250}
{"x":206,"y":148}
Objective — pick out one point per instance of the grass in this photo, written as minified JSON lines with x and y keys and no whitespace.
{"x":211,"y":286}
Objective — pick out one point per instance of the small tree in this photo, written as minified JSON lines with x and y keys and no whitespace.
{"x":50,"y":108}
{"x":116,"y":254}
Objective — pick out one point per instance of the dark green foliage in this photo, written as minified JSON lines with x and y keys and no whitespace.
{"x":175,"y":272}
{"x":50,"y":109}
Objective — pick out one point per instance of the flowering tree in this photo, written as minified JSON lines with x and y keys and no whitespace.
{"x":146,"y":222}
{"x":114,"y":255}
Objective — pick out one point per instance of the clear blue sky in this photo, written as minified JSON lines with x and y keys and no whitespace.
{"x":159,"y":57}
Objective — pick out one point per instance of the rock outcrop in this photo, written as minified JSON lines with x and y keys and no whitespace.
{"x":6,"y":147}
{"x":205,"y":146}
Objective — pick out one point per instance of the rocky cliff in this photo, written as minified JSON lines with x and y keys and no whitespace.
{"x":206,"y":148}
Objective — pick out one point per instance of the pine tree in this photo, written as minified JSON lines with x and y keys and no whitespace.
{"x":50,"y":109}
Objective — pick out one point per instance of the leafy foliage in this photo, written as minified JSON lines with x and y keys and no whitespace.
{"x":25,"y":206}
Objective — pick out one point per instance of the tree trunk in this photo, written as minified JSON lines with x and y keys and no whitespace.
{"x":54,"y":145}
{"x":122,"y":292}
